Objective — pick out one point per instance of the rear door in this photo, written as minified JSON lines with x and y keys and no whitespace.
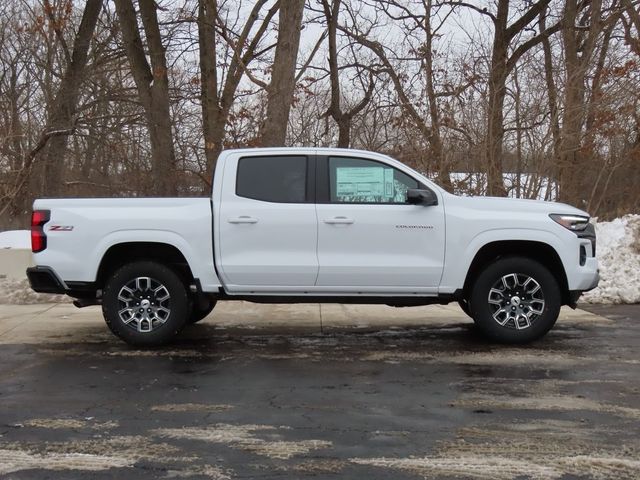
{"x":267,"y":224}
{"x":369,"y":238}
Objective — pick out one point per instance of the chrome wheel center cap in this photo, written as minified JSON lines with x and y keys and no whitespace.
{"x":145,"y":303}
{"x":515,"y":301}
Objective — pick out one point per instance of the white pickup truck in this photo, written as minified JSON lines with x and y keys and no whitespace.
{"x":287,"y":225}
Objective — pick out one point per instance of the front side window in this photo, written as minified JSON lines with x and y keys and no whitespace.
{"x":355,"y":180}
{"x":279,"y":179}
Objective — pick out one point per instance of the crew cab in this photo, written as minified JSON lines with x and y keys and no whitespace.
{"x":286,"y":225}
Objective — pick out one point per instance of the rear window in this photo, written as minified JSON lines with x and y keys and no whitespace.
{"x":281,"y":179}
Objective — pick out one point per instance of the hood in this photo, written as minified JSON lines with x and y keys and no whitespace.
{"x":517,"y":204}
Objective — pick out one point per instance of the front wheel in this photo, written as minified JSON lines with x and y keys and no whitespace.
{"x":145,"y":303}
{"x":515,"y":300}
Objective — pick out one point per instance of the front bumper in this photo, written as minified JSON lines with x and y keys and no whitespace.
{"x":594,"y":284}
{"x":45,"y":280}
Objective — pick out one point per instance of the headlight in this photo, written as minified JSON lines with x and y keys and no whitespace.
{"x":576,"y":223}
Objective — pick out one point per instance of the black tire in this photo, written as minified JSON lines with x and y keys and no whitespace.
{"x":517,"y":303}
{"x":200,"y":310}
{"x":167,"y":316}
{"x":464,"y":305}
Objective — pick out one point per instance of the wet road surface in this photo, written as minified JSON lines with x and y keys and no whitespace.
{"x":430,"y":401}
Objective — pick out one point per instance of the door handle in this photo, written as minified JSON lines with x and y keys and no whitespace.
{"x":339,"y":221}
{"x":243,"y":219}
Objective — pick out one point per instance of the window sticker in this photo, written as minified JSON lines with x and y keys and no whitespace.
{"x":374,"y":183}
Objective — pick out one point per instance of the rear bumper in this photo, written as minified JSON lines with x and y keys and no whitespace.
{"x":45,"y":280}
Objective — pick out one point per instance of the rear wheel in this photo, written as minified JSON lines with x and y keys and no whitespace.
{"x":515,"y":300}
{"x":145,"y":303}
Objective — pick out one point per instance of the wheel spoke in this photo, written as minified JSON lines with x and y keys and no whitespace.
{"x":525,"y":318}
{"x":535,"y":286}
{"x":147,"y":322}
{"x":128,"y":291}
{"x":539,"y":310}
{"x":492,"y":296}
{"x":143,"y":284}
{"x":163,"y":295}
{"x":126,"y":315}
{"x":500,"y":312}
{"x":505,"y":281}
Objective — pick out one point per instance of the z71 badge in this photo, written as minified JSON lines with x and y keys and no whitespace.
{"x":60,"y":228}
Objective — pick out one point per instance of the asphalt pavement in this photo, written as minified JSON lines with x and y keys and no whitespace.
{"x":319,"y":392}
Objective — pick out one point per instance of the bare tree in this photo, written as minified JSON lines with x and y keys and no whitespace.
{"x":61,"y":122}
{"x":218,"y":93}
{"x":342,"y":118}
{"x":631,"y":21}
{"x":585,"y":26}
{"x":504,"y":56}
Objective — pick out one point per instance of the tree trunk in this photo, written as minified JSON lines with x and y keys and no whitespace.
{"x":552,"y":92}
{"x":152,"y":83}
{"x":63,"y":110}
{"x":578,"y":50}
{"x":207,"y":10}
{"x":497,"y":92}
{"x":282,"y":85}
{"x":435,"y":139}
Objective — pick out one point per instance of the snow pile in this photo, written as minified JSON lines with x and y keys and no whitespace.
{"x":15,"y":239}
{"x":18,"y":292}
{"x":618,"y":252}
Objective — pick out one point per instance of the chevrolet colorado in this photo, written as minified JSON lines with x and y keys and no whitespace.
{"x":287,"y":225}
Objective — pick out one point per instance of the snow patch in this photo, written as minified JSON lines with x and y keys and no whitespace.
{"x":16,"y":239}
{"x":472,"y":466}
{"x":18,"y":292}
{"x":15,"y":460}
{"x":191,"y":407}
{"x":244,"y":437}
{"x":69,"y":423}
{"x":562,"y":403}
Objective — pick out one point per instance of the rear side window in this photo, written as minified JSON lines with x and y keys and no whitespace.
{"x":281,"y":179}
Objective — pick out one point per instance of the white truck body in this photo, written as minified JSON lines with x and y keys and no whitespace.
{"x":239,"y":246}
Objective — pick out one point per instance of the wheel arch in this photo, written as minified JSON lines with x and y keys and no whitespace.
{"x":539,"y":251}
{"x":120,"y":254}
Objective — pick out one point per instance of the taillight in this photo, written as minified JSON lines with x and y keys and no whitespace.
{"x":38,"y":237}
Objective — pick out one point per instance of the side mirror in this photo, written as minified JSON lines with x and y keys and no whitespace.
{"x":426,"y":197}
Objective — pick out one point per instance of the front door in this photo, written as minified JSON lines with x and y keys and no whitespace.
{"x":369,"y":238}
{"x":267,"y":224}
